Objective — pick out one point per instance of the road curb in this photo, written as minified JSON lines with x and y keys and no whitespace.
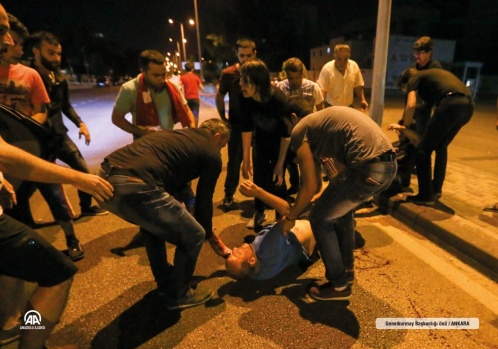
{"x":442,"y":223}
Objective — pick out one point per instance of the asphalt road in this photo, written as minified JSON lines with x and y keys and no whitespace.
{"x":399,"y":274}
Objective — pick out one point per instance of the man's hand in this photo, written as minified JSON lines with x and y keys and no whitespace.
{"x":287,"y":225}
{"x":246,"y":169}
{"x":395,"y":127}
{"x":94,"y":185}
{"x":248,"y":188}
{"x":278,"y":175}
{"x":7,"y":195}
{"x":84,"y":131}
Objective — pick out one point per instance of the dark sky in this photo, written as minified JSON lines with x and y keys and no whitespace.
{"x":143,"y":24}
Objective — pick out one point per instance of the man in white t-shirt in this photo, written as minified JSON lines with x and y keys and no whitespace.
{"x":341,"y":78}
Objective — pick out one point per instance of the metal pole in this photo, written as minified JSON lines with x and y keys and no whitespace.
{"x":380,"y":61}
{"x":183,"y":41}
{"x":198,"y":34}
{"x":179,"y":57}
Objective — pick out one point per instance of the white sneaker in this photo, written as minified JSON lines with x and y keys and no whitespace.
{"x":259,"y":218}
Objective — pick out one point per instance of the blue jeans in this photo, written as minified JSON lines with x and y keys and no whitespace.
{"x":161,"y":219}
{"x":332,"y":215}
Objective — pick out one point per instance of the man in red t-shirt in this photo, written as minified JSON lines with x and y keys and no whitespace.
{"x":191,"y":85}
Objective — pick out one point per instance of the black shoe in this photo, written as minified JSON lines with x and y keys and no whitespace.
{"x":93,"y":211}
{"x":228,"y":204}
{"x":419,"y":200}
{"x":327,"y":292}
{"x":437,"y":195}
{"x":359,"y":241}
{"x":74,"y":250}
{"x":190,"y":299}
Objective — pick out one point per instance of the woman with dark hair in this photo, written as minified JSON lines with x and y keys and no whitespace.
{"x":263,"y":108}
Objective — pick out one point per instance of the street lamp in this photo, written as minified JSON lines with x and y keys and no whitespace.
{"x":191,"y":22}
{"x":198,"y":35}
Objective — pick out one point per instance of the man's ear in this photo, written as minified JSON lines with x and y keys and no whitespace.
{"x":294,"y":118}
{"x":252,"y":261}
{"x":217,"y":136}
{"x":36,"y":51}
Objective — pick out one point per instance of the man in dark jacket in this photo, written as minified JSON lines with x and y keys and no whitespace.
{"x":148,"y":176}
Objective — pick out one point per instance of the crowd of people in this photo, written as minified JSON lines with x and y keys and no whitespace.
{"x":309,"y":128}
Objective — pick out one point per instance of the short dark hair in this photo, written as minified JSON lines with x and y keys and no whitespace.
{"x":37,"y":38}
{"x":299,"y":106}
{"x":423,"y":44}
{"x":17,"y":26}
{"x":256,"y":72}
{"x":217,"y":126}
{"x":405,"y":76}
{"x":189,"y":66}
{"x":150,"y":56}
{"x":245,"y":43}
{"x":293,"y":65}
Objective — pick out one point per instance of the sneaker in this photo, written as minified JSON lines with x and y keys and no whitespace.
{"x":93,"y":211}
{"x":10,"y":335}
{"x":74,"y":250}
{"x":228,"y":204}
{"x":256,"y":220}
{"x":219,"y":247}
{"x":418,"y":200}
{"x":327,"y":292}
{"x":190,"y":299}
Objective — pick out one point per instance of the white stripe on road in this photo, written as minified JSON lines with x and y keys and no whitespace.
{"x":474,"y":289}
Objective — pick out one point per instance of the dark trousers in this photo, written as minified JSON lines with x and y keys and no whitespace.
{"x":264,"y":161}
{"x":234,"y":161}
{"x":69,"y":153}
{"x":448,"y":118}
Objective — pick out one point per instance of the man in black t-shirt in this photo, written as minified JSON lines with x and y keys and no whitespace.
{"x":148,"y":176}
{"x":453,"y":109}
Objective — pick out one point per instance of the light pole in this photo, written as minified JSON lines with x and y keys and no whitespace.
{"x":191,"y":22}
{"x":198,"y":35}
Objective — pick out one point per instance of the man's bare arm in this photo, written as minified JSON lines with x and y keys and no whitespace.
{"x":248,"y":188}
{"x":21,"y":164}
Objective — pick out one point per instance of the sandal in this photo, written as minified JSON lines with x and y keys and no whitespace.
{"x":492,"y":208}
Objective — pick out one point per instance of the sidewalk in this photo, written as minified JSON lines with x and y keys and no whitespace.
{"x":457,"y":222}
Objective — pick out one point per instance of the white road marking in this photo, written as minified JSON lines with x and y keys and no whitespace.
{"x":478,"y":292}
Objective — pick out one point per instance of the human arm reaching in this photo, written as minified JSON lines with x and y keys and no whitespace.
{"x":248,"y":188}
{"x":21,"y":164}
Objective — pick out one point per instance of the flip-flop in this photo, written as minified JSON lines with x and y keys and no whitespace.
{"x":492,"y":208}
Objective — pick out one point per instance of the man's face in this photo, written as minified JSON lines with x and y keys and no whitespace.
{"x":295,"y":79}
{"x":245,"y":54}
{"x":155,"y":75}
{"x":341,"y":59}
{"x":237,"y":263}
{"x":247,"y":88}
{"x":14,"y":52}
{"x":421,"y":57}
{"x":50,"y":55}
{"x":5,"y":38}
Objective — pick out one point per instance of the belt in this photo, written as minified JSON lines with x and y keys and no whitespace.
{"x":451,"y":94}
{"x":111,"y":170}
{"x":385,"y":157}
